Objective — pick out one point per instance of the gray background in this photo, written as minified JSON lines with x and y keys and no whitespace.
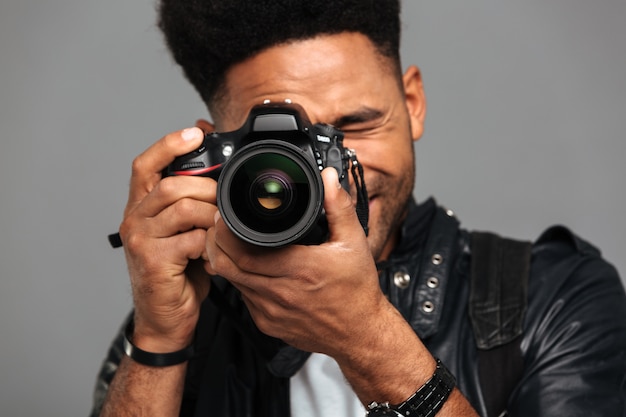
{"x":525,"y":129}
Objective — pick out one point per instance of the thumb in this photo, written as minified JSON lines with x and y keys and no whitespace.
{"x":343,"y":222}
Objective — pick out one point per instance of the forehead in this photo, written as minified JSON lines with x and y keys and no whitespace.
{"x":329,"y":76}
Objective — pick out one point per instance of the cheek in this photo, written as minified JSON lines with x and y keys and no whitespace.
{"x":372,"y":154}
{"x":386,"y":159}
{"x":388,"y":152}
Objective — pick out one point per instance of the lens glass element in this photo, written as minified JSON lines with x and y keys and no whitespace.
{"x":269,"y":192}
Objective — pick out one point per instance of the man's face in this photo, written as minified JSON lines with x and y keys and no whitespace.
{"x":342,"y":80}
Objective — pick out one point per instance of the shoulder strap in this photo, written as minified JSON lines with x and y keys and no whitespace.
{"x":498,"y":300}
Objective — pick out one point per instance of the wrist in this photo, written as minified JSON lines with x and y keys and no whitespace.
{"x":426,"y":401}
{"x":160,"y":339}
{"x":151,"y":358}
{"x":394,"y":375}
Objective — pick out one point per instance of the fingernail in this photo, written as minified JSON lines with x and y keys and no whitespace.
{"x":191,"y":133}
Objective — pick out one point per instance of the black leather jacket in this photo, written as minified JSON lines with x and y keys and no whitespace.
{"x":573,"y":342}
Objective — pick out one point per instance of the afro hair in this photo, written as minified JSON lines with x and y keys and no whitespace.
{"x":207,"y":37}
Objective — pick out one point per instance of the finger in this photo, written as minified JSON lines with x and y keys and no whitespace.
{"x":176,"y":204}
{"x":158,"y":268}
{"x":188,"y":245}
{"x":184,"y":215}
{"x":163,"y":261}
{"x":172,"y":189}
{"x":343,"y":222}
{"x":147,"y":167}
{"x":237,"y":260}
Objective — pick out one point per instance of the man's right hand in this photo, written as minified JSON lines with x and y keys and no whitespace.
{"x":164,"y":227}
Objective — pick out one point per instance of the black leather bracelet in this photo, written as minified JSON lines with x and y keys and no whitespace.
{"x":153,"y":359}
{"x":426,"y":401}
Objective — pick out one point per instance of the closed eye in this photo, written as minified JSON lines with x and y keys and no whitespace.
{"x":363,"y":119}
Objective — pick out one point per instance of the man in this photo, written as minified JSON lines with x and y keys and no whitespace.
{"x":377,"y":310}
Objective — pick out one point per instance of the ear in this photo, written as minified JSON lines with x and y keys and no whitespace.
{"x":415,"y":100}
{"x":205,"y":125}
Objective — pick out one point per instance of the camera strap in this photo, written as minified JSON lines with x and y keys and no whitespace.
{"x":362,"y":200}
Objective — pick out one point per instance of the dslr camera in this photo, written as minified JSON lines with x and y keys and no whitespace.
{"x":270,"y":191}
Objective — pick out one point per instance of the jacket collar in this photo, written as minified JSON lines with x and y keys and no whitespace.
{"x":416,"y":275}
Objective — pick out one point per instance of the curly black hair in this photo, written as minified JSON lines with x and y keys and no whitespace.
{"x":207,"y":37}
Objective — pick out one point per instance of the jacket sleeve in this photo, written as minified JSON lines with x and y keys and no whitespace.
{"x":107,"y":370}
{"x":575,"y":339}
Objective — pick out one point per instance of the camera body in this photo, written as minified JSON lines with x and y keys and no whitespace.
{"x":270,"y":191}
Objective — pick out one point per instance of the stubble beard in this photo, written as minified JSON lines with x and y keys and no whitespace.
{"x":393,"y":204}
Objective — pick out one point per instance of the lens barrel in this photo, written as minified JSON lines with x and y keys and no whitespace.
{"x":270,"y":193}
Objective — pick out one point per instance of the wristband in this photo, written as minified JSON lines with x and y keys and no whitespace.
{"x":153,"y":359}
{"x":426,"y":402}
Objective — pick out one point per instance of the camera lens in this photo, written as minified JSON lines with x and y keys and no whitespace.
{"x":270,"y":193}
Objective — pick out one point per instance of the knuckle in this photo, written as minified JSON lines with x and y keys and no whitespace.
{"x":184,"y":208}
{"x":196,"y":242}
{"x":168,"y":185}
{"x":198,"y":236}
{"x":245,"y":262}
{"x":268,"y":318}
{"x":127,"y":234}
{"x":144,"y":261}
{"x":139,"y":248}
{"x":138,"y":166}
{"x":134,"y":242}
{"x":263,"y":323}
{"x":220,"y":264}
{"x":287,"y":301}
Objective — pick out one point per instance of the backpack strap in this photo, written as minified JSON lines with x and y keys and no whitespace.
{"x":497,"y":304}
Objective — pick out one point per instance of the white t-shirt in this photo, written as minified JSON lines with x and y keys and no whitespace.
{"x":319,"y":389}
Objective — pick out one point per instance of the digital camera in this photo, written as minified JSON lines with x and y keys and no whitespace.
{"x":270,"y":191}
